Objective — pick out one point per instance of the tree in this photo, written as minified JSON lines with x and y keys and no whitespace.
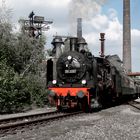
{"x":21,"y":69}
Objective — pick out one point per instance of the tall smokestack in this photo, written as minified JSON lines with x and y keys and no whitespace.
{"x":126,"y":35}
{"x":79,"y":27}
{"x":102,"y":35}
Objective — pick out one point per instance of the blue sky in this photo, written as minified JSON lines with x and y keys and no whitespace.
{"x":97,"y":18}
{"x":115,"y":4}
{"x":118,"y":6}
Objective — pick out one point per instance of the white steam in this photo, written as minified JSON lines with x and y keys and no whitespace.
{"x":85,"y":9}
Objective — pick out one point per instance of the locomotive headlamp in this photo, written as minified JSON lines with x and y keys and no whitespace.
{"x":69,"y":57}
{"x":84,"y":82}
{"x":54,"y":82}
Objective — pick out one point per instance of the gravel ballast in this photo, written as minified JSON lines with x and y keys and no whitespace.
{"x":116,"y":123}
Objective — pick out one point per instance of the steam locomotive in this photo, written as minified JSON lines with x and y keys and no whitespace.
{"x":78,"y":80}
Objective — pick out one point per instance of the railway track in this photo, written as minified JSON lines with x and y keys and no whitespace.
{"x":15,"y":123}
{"x":134,"y":104}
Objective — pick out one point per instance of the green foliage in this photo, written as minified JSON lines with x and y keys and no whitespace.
{"x":13,"y":91}
{"x":21,"y":80}
{"x":16,"y":92}
{"x":37,"y":90}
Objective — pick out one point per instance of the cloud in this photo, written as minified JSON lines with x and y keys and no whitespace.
{"x":50,"y":9}
{"x":113,"y":34}
{"x":135,"y":49}
{"x":110,"y":25}
{"x":64,"y":14}
{"x":112,"y":13}
{"x":52,"y":3}
{"x":99,"y":22}
{"x":114,"y":31}
{"x":85,"y":9}
{"x":39,"y":3}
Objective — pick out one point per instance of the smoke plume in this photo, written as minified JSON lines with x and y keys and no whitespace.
{"x":85,"y":9}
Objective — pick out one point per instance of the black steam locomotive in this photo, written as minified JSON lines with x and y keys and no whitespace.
{"x":76,"y":79}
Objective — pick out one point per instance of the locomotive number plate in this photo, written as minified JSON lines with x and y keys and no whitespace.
{"x":70,"y":71}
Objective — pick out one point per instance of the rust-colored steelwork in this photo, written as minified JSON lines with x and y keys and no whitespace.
{"x":133,"y":74}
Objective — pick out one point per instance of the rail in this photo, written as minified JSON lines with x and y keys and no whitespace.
{"x":15,"y":123}
{"x":134,"y":104}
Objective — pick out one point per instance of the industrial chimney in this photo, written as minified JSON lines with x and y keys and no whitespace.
{"x":126,"y":35}
{"x":79,"y":27}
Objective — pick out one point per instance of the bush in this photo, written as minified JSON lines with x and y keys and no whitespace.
{"x":38,"y":93}
{"x":16,"y":93}
{"x":13,"y":92}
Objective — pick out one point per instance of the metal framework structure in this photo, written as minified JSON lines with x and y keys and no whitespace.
{"x":35,"y":25}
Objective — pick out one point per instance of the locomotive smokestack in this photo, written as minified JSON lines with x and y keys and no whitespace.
{"x":126,"y":36}
{"x":102,"y":44}
{"x":79,"y":27}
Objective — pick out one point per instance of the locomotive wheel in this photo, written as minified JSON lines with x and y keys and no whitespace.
{"x":96,"y":100}
{"x":83,"y":104}
{"x":59,"y":108}
{"x":79,"y":106}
